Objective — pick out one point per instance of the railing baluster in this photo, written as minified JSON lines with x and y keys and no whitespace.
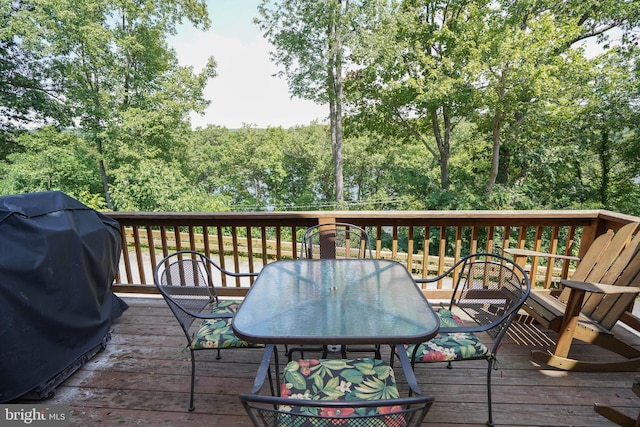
{"x":506,"y":238}
{"x":490,"y":239}
{"x":473,"y":248}
{"x":163,"y":237}
{"x":441,"y":253}
{"x":263,"y":239}
{"x":192,"y":239}
{"x":378,"y":238}
{"x":535,"y":261}
{"x":205,"y":241}
{"x":177,"y":237}
{"x":125,"y":254}
{"x":410,"y":249}
{"x":553,"y":248}
{"x":458,"y":246}
{"x":250,"y":251}
{"x":278,"y":243}
{"x":425,"y":254}
{"x":522,"y":237}
{"x":571,"y":234}
{"x":236,"y":259}
{"x":151,"y":244}
{"x":138,"y":249}
{"x":394,"y":242}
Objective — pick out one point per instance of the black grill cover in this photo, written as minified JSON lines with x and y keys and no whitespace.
{"x":58,"y":259}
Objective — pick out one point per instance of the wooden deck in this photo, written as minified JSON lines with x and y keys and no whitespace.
{"x":142,"y":378}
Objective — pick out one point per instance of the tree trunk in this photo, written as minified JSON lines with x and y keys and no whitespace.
{"x":496,"y":130}
{"x":495,"y":152}
{"x":336,"y":145}
{"x":334,"y":70}
{"x":336,"y":151}
{"x":605,"y":165}
{"x":103,"y":175}
{"x":444,"y":145}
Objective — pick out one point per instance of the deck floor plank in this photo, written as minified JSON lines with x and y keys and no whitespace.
{"x":142,"y":378}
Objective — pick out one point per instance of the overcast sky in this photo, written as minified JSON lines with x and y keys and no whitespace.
{"x":244,"y":92}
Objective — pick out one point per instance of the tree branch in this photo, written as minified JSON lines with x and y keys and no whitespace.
{"x":405,"y":124}
{"x":595,"y":32}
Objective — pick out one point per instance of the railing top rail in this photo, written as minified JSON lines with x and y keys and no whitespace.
{"x":448,"y":217}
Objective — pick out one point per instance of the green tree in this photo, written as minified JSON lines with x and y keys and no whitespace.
{"x":607,"y":128}
{"x":529,"y":57}
{"x":245,"y":165}
{"x":310,"y":41}
{"x":52,"y":160}
{"x":116,"y":60}
{"x":31,"y":91}
{"x":416,"y":66}
{"x":308,"y":165}
{"x":425,"y":66}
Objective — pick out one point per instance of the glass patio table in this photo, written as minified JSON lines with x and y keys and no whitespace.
{"x":336,"y":301}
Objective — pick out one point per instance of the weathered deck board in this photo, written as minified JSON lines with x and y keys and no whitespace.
{"x":143,"y":378}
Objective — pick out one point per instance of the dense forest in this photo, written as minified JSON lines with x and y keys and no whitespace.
{"x":446,"y":104}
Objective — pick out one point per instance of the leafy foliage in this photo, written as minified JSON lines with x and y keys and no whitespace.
{"x":451,"y":105}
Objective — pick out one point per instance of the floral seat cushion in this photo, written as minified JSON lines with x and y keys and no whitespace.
{"x":225,"y":306}
{"x":340,"y":379}
{"x":217,"y":333}
{"x":450,"y":346}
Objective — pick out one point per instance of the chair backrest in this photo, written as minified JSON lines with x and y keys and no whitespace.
{"x":270,"y":411}
{"x":490,"y":289}
{"x":184,"y":280}
{"x":335,"y":240}
{"x":613,"y":259}
{"x":602,"y":262}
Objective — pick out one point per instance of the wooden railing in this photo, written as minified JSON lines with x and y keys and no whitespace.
{"x":426,"y":242}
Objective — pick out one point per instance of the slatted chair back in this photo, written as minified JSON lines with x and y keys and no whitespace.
{"x":270,"y":411}
{"x":335,"y":240}
{"x":607,"y":309}
{"x":612,"y":259}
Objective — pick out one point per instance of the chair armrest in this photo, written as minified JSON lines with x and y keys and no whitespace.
{"x":599,"y":288}
{"x":443,"y":275}
{"x":231,"y":273}
{"x":527,"y":252}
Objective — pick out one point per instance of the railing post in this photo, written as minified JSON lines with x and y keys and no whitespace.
{"x":327,"y":240}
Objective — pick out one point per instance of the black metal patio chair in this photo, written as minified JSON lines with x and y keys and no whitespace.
{"x":489,"y":291}
{"x":270,"y":411}
{"x":185,"y":280}
{"x":333,"y":240}
{"x":329,"y":392}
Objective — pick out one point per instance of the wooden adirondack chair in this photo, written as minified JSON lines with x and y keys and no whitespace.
{"x":603,"y":286}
